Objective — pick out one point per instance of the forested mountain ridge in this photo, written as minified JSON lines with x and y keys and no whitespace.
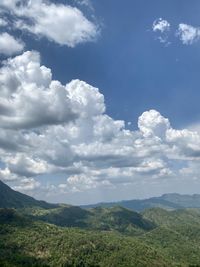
{"x":116,"y":218}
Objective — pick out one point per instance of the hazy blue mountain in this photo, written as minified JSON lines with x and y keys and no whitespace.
{"x":185,"y":201}
{"x":166,"y":201}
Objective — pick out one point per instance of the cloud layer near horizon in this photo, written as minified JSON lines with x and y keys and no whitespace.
{"x":51,"y":128}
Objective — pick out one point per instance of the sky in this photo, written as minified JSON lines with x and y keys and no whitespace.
{"x":99,"y":100}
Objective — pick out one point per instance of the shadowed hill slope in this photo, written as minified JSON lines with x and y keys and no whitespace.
{"x":106,"y":219}
{"x":13,"y":199}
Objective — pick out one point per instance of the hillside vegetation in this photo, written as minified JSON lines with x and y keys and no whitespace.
{"x":42,"y":244}
{"x":36,"y":233}
{"x":108,"y":219}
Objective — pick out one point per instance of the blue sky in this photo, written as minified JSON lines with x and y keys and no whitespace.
{"x":131,"y":68}
{"x":144,"y":59}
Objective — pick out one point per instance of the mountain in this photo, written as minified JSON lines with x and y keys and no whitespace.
{"x":119,"y":219}
{"x":13,"y":199}
{"x":184,"y":201}
{"x":166,"y":201}
{"x":109,"y":219}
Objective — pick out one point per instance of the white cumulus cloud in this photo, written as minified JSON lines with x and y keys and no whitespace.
{"x":63,"y":24}
{"x":9,"y":45}
{"x":29,"y":98}
{"x":47,"y":128}
{"x":153,"y":123}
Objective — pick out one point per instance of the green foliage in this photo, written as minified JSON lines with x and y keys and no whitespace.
{"x":69,"y":216}
{"x":107,"y":219}
{"x":98,"y":237}
{"x":118,"y":219}
{"x":42,"y":244}
{"x":177,"y":234}
{"x":173,"y":218}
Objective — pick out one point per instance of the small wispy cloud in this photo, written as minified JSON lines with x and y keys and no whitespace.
{"x":188,"y":34}
{"x":161,"y":25}
{"x":162,"y":28}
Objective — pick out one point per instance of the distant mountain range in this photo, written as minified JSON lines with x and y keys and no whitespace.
{"x":13,"y":199}
{"x":167,"y":201}
{"x":125,"y":216}
{"x":113,"y":218}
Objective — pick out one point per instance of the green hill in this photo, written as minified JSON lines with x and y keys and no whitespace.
{"x":41,"y":244}
{"x":180,"y":217}
{"x":177,"y":234}
{"x":68,"y":216}
{"x":13,"y":199}
{"x":119,"y":219}
{"x":106,"y":219}
{"x":27,"y":242}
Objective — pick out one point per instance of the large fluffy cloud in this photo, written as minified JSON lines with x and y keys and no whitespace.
{"x":55,"y":129}
{"x":63,"y":24}
{"x":29,"y":98}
